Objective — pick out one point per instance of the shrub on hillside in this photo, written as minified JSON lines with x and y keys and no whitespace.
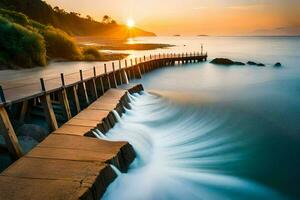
{"x":60,"y":45}
{"x":15,"y":17}
{"x":91,"y":54}
{"x":20,"y":46}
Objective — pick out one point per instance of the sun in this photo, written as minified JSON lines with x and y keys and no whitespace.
{"x":130,"y":23}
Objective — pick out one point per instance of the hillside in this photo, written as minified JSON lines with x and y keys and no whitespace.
{"x":25,"y":43}
{"x":71,"y":22}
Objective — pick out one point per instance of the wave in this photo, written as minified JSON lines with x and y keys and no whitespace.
{"x":184,"y":152}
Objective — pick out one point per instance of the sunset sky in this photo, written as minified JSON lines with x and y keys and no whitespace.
{"x":193,"y":17}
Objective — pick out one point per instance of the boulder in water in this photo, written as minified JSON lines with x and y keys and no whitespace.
{"x":225,"y":61}
{"x":251,"y":63}
{"x":256,"y":64}
{"x":261,"y":65}
{"x":34,"y":131}
{"x":239,"y":63}
{"x":278,"y":64}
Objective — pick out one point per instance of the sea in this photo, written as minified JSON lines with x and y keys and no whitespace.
{"x":206,"y":131}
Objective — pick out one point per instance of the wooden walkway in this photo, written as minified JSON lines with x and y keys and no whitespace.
{"x":19,"y":91}
{"x":67,"y":165}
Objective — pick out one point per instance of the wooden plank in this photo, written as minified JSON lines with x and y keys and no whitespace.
{"x":13,"y":188}
{"x":74,"y":130}
{"x":95,"y":115}
{"x":82,"y":122}
{"x":10,"y":135}
{"x":48,"y":111}
{"x":55,"y":169}
{"x":103,"y":106}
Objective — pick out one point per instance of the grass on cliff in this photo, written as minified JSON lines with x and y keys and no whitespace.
{"x":26,"y":43}
{"x":20,"y":46}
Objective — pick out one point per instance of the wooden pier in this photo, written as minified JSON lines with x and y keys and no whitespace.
{"x":67,"y":165}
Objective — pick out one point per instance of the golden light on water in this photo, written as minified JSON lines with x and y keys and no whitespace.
{"x":130,"y":23}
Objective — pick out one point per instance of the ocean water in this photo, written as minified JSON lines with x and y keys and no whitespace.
{"x":203,"y":131}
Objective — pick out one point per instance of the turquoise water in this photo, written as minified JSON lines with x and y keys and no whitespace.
{"x":215,"y":132}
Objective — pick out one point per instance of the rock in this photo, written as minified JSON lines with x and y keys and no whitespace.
{"x":256,"y":64}
{"x":278,"y":64}
{"x":239,"y":63}
{"x":27,"y":143}
{"x":222,"y":61}
{"x":261,"y":65}
{"x":34,"y":131}
{"x":225,"y":61}
{"x":251,"y":63}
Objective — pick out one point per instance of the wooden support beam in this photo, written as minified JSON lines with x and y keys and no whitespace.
{"x":82,"y":91}
{"x":10,"y":137}
{"x":137,"y":71}
{"x":63,"y":98}
{"x":24,"y":110}
{"x":102,"y":85}
{"x":120,"y":73}
{"x":115,"y":84}
{"x":127,"y":70}
{"x":2,"y":97}
{"x":48,"y":111}
{"x":75,"y":98}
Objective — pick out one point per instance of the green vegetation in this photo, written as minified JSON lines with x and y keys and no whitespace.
{"x":20,"y":46}
{"x":26,"y":43}
{"x":92,"y":54}
{"x":60,"y":45}
{"x":32,"y":32}
{"x":71,"y":22}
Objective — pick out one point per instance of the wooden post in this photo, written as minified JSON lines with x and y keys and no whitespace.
{"x":63,"y":98}
{"x":82,"y":89}
{"x":24,"y":110}
{"x":75,"y":98}
{"x":127,"y":71}
{"x":94,"y":83}
{"x":2,"y":97}
{"x":106,"y":76}
{"x":48,"y":109}
{"x":131,"y":69}
{"x":49,"y":113}
{"x":9,"y":135}
{"x":120,"y":72}
{"x":114,"y":80}
{"x":43,"y":85}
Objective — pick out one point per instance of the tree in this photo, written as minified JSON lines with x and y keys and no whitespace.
{"x":108,"y":20}
{"x":89,"y":18}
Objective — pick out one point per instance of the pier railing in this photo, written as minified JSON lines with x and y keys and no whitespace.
{"x":70,"y":93}
{"x":19,"y":91}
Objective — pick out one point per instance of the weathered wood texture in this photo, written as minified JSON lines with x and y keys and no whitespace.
{"x":67,"y":165}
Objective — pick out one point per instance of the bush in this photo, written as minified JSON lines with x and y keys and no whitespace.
{"x":19,"y":46}
{"x":60,"y":45}
{"x":15,"y":17}
{"x":91,"y":54}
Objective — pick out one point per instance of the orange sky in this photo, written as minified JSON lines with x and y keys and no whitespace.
{"x":193,"y":17}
